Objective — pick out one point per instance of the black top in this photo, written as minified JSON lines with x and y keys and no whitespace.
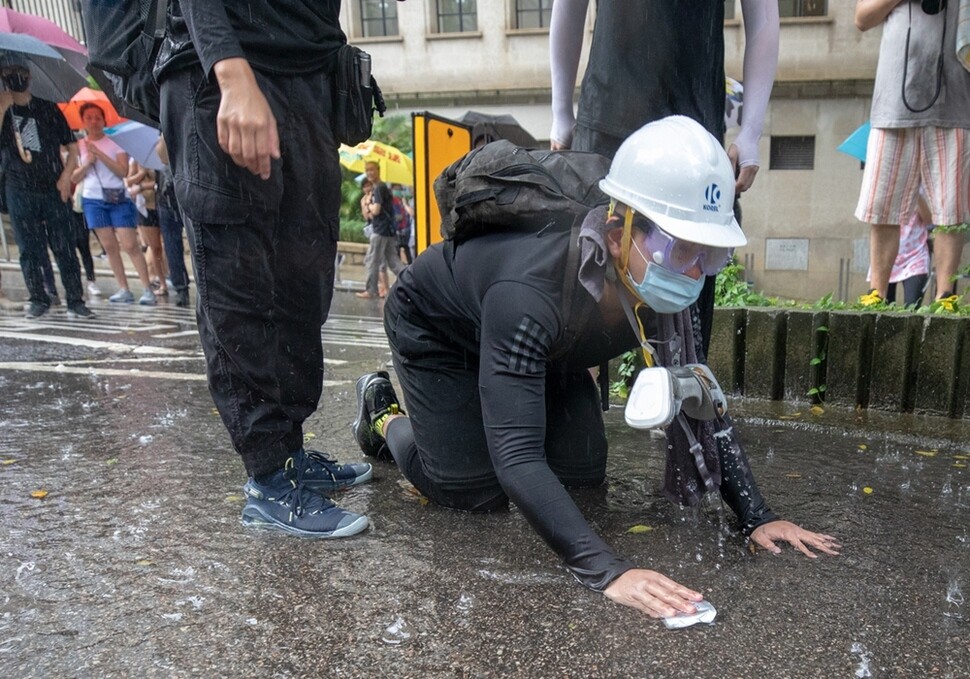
{"x":43,"y":131}
{"x":482,"y":293}
{"x":384,"y":222}
{"x":651,"y":59}
{"x":286,"y":37}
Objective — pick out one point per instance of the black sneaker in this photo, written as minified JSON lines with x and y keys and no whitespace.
{"x":79,"y":310}
{"x":55,"y":299}
{"x":35,"y":309}
{"x":324,"y":475}
{"x":182,"y":298}
{"x":283,"y":501}
{"x":376,"y":400}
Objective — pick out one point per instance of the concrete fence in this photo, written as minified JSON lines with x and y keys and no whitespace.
{"x":893,"y":362}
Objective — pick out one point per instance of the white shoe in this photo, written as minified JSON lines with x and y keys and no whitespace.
{"x":93,"y":289}
{"x":8,"y":304}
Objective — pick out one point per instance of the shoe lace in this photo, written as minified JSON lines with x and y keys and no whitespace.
{"x":300,"y":498}
{"x":329,"y":465}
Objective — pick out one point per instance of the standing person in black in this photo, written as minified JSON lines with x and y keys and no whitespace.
{"x":38,"y":187}
{"x":170,"y":221}
{"x":379,"y":212}
{"x":493,"y":361}
{"x":246,"y":114}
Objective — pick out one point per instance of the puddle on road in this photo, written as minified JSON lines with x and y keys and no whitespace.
{"x":136,"y":553}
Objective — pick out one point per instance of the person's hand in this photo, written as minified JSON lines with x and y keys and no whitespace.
{"x":96,"y":153}
{"x":557,"y":145}
{"x":64,"y":188}
{"x":745,"y":176}
{"x":766,"y":534}
{"x":656,"y":595}
{"x":245,"y":123}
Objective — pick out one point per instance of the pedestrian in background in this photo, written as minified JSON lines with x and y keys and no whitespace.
{"x":108,"y":209}
{"x":919,"y":139}
{"x":38,"y":154}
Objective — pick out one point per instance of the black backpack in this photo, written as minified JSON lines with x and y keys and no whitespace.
{"x":504,"y":187}
{"x":124,"y":37}
{"x":501,"y":186}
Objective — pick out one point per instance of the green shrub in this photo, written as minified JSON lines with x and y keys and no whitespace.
{"x":352,"y":230}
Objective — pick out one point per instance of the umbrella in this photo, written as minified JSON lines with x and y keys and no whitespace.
{"x":488,"y":128}
{"x":139,"y":141}
{"x":51,"y":76}
{"x":396,"y":167}
{"x":47,"y":32}
{"x":72,"y":109}
{"x":855,"y":144}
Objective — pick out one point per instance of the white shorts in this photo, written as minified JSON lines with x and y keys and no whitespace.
{"x":901,"y":161}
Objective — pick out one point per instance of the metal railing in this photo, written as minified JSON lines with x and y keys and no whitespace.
{"x":64,"y":13}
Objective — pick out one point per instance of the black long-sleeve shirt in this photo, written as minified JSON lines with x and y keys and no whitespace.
{"x":483,"y":293}
{"x":287,"y":37}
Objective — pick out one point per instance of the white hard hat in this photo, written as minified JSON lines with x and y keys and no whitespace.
{"x":676,"y":173}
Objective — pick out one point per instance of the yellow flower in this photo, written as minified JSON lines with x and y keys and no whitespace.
{"x":949,"y":303}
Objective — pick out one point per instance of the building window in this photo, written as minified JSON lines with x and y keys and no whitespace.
{"x":378,"y":18}
{"x":457,"y":16}
{"x":802,"y":8}
{"x":792,"y":153}
{"x":533,"y":13}
{"x":729,"y":10}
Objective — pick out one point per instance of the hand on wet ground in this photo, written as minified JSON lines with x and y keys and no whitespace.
{"x":656,"y":595}
{"x":767,"y":534}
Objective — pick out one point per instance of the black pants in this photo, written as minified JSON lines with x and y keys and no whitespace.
{"x":170,"y":222}
{"x":264,"y":256}
{"x":39,"y":219}
{"x":82,"y":241}
{"x":441,"y":447}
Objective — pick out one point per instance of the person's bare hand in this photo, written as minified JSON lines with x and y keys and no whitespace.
{"x":745,"y":176}
{"x":245,"y":123}
{"x":64,"y":188}
{"x":766,"y":534}
{"x":557,"y":145}
{"x":652,"y":593}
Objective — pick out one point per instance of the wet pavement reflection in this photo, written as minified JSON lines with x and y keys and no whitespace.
{"x":121,"y":552}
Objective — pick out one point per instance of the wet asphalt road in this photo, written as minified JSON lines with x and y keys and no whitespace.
{"x":135,"y":563}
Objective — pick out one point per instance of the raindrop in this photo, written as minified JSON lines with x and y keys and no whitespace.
{"x":954,"y":600}
{"x":864,"y":659}
{"x":397,"y":632}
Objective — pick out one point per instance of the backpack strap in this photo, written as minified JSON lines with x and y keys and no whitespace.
{"x":575,"y":312}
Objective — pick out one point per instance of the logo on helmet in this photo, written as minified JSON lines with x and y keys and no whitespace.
{"x":713,"y":196}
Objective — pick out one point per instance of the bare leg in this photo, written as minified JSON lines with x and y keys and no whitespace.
{"x":883,"y":250}
{"x":947,"y":248}
{"x":106,"y":236}
{"x":152,"y":236}
{"x":128,"y":238}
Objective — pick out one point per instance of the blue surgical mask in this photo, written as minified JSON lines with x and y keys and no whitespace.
{"x":667,"y":292}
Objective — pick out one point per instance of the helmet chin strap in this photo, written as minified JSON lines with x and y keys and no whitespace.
{"x":622,"y":270}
